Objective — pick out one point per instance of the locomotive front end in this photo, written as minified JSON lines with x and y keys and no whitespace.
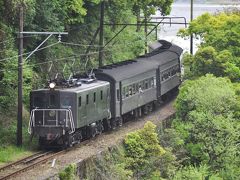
{"x":51,"y":116}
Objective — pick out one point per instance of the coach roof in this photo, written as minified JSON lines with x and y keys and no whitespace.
{"x":163,"y":52}
{"x":126,"y":69}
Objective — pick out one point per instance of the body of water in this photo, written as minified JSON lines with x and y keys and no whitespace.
{"x":169,"y":33}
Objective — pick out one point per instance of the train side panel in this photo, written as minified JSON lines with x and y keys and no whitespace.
{"x":138,"y":91}
{"x":169,"y":76}
{"x":93,"y":105}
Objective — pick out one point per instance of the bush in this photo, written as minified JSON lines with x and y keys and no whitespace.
{"x":69,"y":173}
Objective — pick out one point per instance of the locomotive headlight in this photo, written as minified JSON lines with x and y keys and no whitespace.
{"x":52,"y":85}
{"x":52,"y":113}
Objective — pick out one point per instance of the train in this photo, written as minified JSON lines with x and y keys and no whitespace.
{"x":67,"y":112}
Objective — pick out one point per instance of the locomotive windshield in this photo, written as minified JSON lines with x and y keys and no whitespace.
{"x":45,"y":100}
{"x":38,"y":102}
{"x":65,"y":102}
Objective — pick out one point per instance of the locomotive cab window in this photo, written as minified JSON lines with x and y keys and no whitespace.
{"x":38,"y":102}
{"x":65,"y":102}
{"x":118,"y":95}
{"x":101,"y":95}
{"x":52,"y":100}
{"x":79,"y":101}
{"x":94,"y":97}
{"x":87,"y":99}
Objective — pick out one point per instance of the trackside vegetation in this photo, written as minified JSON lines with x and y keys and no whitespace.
{"x":74,"y":53}
{"x":203,"y":139}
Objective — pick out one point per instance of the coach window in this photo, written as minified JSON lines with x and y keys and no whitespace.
{"x":133,"y":88}
{"x":146,"y":84}
{"x":137,"y":87}
{"x":130,"y":90}
{"x":94,"y":97}
{"x":123,"y":92}
{"x":152,"y":82}
{"x":79,"y":101}
{"x":87,"y":99}
{"x":126,"y":91}
{"x":142,"y":85}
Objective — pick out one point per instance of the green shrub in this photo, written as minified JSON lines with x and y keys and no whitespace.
{"x":69,"y":173}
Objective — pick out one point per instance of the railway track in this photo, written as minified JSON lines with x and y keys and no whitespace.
{"x":30,"y":162}
{"x":22,"y":165}
{"x":16,"y":168}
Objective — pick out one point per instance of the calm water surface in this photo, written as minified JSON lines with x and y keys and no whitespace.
{"x":168,"y":32}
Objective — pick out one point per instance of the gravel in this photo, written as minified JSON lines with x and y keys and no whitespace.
{"x":94,"y":146}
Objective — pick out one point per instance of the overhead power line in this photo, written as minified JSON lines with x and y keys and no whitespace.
{"x":81,"y":45}
{"x":5,"y":59}
{"x":55,"y":60}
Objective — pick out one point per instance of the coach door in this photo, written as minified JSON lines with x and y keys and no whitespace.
{"x":158,"y":83}
{"x":140,"y":87}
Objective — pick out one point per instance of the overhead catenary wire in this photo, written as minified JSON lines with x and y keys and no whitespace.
{"x":74,"y":44}
{"x":81,"y":45}
{"x":5,"y":59}
{"x":55,"y":60}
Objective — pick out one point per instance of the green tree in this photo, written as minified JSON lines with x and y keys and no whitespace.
{"x":196,"y":173}
{"x":206,"y":94}
{"x":143,"y":150}
{"x":219,"y":49}
{"x":211,"y":132}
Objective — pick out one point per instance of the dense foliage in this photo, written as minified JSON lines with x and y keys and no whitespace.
{"x":143,"y":151}
{"x":74,"y":53}
{"x":219,"y":51}
{"x":208,"y":105}
{"x":206,"y":122}
{"x":203,"y":140}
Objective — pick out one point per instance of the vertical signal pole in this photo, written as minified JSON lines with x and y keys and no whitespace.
{"x":20,"y":77}
{"x":101,"y":34}
{"x":191,"y":36}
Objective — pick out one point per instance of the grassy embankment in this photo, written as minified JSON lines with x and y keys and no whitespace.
{"x":8,"y":149}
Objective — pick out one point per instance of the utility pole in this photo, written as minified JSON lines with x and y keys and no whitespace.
{"x":20,"y":68}
{"x":101,"y":34}
{"x":191,"y":36}
{"x":20,"y":77}
{"x":146,"y":33}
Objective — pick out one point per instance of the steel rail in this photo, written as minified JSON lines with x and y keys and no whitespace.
{"x":28,"y":167}
{"x":19,"y":161}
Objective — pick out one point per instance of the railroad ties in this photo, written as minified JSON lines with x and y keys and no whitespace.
{"x":22,"y":165}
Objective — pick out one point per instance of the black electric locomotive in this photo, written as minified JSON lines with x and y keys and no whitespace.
{"x":64,"y":115}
